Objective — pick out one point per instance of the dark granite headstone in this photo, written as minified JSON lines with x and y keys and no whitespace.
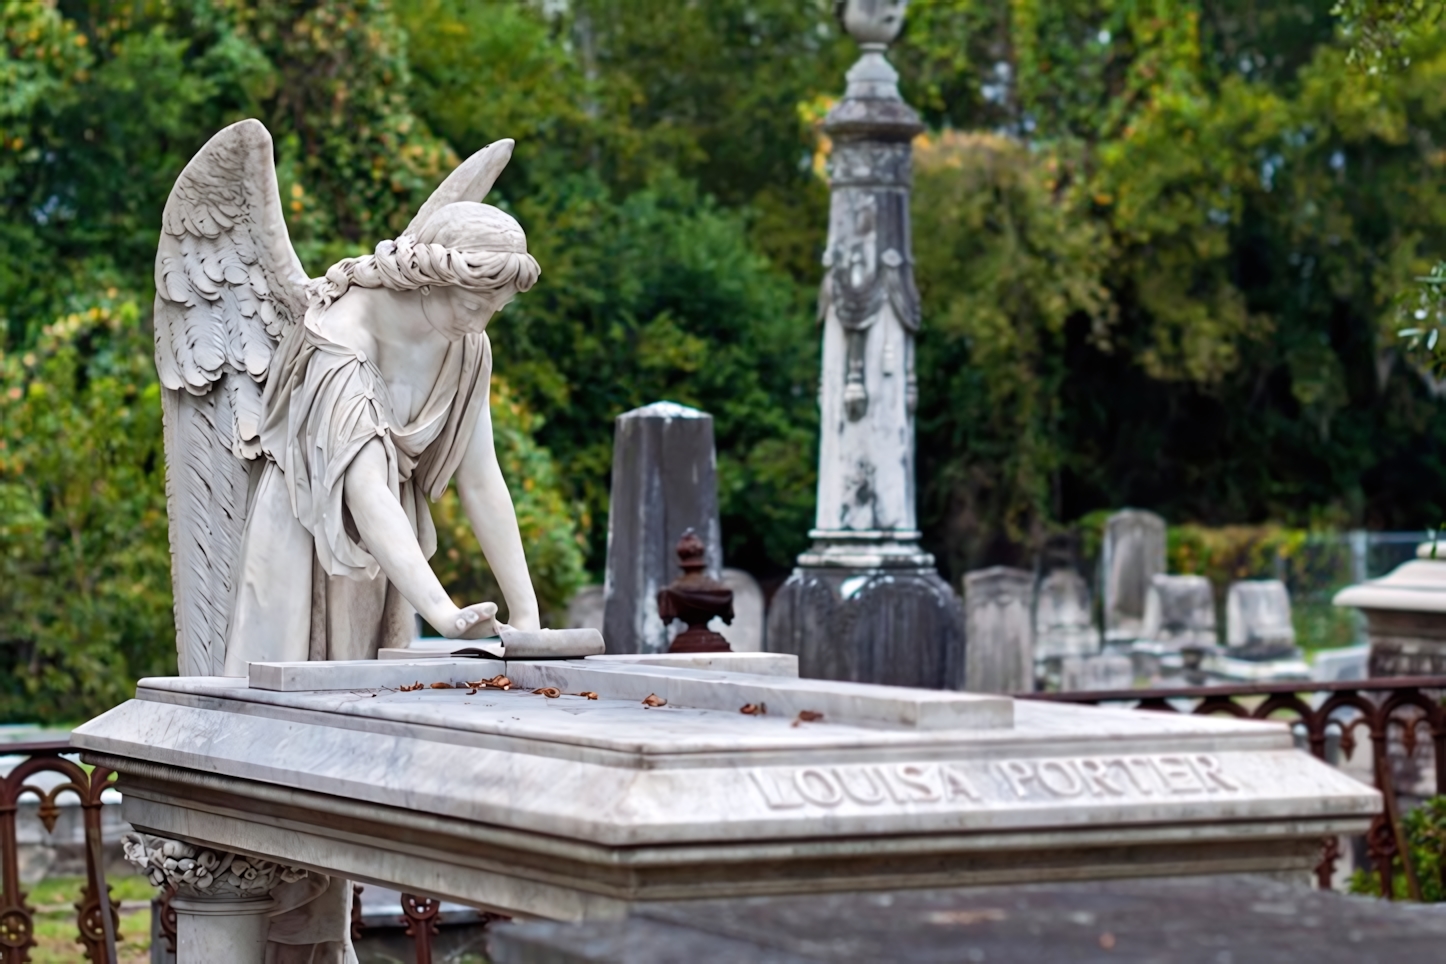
{"x":664,"y":483}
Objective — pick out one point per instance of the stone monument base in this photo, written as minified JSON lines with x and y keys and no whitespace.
{"x":590,"y":787}
{"x":896,"y":626}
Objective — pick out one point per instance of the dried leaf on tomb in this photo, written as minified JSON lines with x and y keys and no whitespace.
{"x":551,"y":692}
{"x":807,"y":716}
{"x":408,"y":689}
{"x":588,"y":694}
{"x":441,"y":686}
{"x":653,"y":699}
{"x":501,"y":682}
{"x":753,"y":709}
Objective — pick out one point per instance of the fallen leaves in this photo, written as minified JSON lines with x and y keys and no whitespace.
{"x":498,"y":682}
{"x":807,"y":716}
{"x":441,"y":686}
{"x":588,"y":694}
{"x":653,"y":699}
{"x":753,"y":709}
{"x":551,"y":692}
{"x":407,"y":689}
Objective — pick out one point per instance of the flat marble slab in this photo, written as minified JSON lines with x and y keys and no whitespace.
{"x":680,"y":686}
{"x":576,"y":808}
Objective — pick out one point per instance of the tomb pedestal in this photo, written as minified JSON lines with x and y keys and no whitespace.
{"x":679,"y":782}
{"x":1405,"y":618}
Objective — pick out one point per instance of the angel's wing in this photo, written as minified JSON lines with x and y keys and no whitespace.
{"x":470,"y":181}
{"x":228,"y":286}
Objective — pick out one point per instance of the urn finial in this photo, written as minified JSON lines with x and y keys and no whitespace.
{"x":872,"y":22}
{"x":695,"y":599}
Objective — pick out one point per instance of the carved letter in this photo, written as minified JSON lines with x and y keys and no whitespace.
{"x":956,"y":784}
{"x":1132,"y":766}
{"x":818,"y":788}
{"x":890,"y":785}
{"x":776,"y":793}
{"x":1178,"y":775}
{"x":917,"y":779}
{"x":1071,"y":785}
{"x":874,"y":794}
{"x":1018,"y":773}
{"x":1097,"y":778}
{"x":1213,"y":777}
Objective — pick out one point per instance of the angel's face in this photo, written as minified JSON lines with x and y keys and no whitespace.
{"x":457,"y":311}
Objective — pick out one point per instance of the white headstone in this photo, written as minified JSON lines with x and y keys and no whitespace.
{"x":1134,"y":552}
{"x":745,"y":633}
{"x":999,"y":630}
{"x":1257,"y":613}
{"x":1180,"y":611}
{"x":1063,"y":620}
{"x":1101,"y":671}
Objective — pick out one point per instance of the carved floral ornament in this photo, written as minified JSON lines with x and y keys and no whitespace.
{"x":198,"y":872}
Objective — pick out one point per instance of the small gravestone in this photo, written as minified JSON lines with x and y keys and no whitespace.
{"x":664,"y":483}
{"x":585,"y":608}
{"x":1257,"y":619}
{"x":1063,"y":621}
{"x":1133,"y":553}
{"x":998,"y":619}
{"x":1179,"y":612}
{"x":745,"y":633}
{"x":1099,"y":671}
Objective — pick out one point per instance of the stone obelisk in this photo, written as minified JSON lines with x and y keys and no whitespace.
{"x":865,"y":602}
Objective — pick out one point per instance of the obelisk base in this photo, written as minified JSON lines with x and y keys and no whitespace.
{"x":870,"y":612}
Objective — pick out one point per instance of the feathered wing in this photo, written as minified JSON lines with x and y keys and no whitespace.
{"x":228,"y":287}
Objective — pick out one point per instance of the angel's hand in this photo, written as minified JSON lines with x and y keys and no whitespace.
{"x":478,"y":621}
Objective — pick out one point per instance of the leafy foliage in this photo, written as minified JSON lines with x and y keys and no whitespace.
{"x":84,"y":561}
{"x":1162,"y":270}
{"x":1425,"y":829}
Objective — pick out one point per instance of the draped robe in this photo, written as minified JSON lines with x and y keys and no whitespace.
{"x":309,"y":589}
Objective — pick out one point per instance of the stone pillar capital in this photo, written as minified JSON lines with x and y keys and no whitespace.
{"x":203,"y":873}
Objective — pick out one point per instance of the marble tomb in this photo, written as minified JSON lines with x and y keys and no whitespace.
{"x":673,"y":782}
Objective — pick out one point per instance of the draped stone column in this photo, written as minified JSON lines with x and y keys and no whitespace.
{"x":865,"y":602}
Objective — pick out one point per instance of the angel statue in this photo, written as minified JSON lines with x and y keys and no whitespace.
{"x":307,"y":420}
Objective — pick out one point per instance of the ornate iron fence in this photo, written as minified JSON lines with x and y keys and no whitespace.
{"x":1393,"y":712}
{"x":97,"y":930}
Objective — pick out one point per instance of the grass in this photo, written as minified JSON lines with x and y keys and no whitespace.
{"x":57,"y":939}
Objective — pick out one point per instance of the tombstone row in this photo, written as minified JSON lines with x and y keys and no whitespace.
{"x":1026,"y":630}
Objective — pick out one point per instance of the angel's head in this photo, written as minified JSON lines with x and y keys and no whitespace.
{"x":466,"y":262}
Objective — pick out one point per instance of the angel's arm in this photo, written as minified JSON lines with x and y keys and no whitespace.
{"x":488,"y":505}
{"x":389,"y":537}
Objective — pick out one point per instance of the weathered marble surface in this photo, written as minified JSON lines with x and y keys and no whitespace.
{"x":576,"y":808}
{"x":1063,"y":617}
{"x":664,"y":482}
{"x":1133,"y":553}
{"x":746,"y":633}
{"x":1179,"y":611}
{"x":999,"y":625}
{"x":1405,"y":614}
{"x":1257,"y":616}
